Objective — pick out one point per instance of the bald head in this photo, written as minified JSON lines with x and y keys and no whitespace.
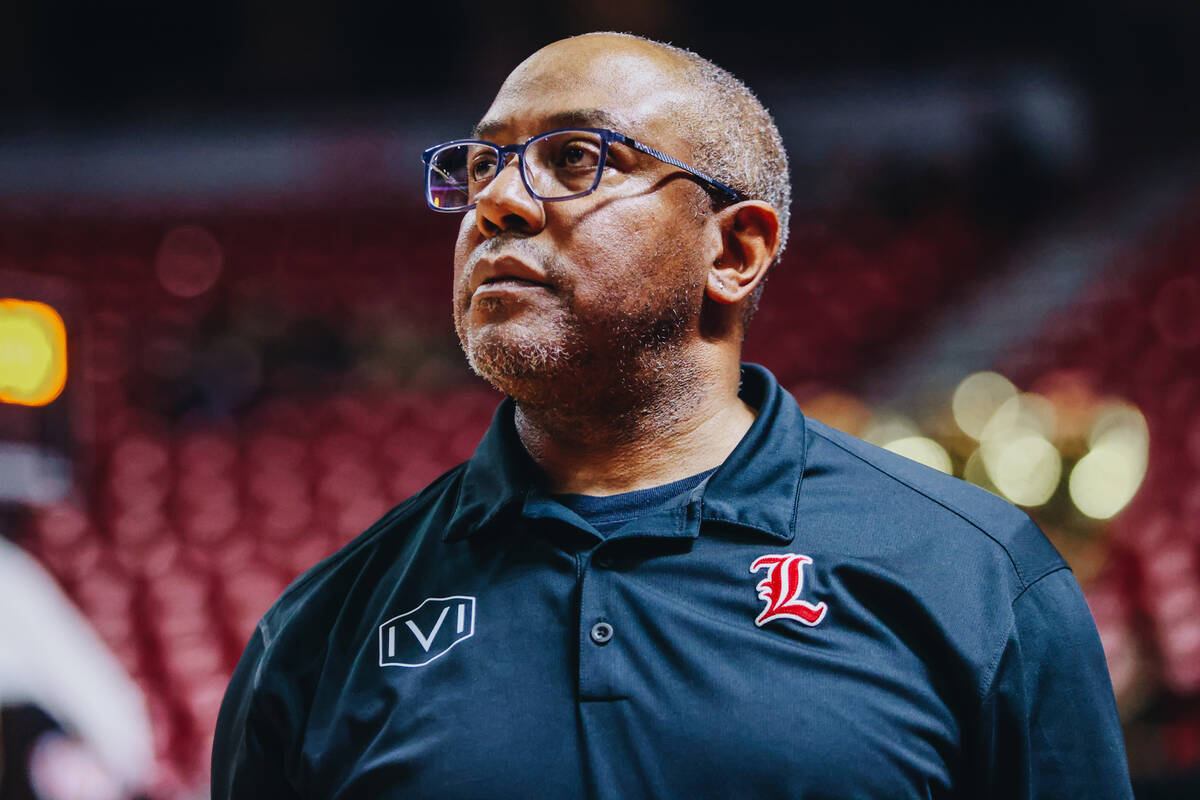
{"x":619,"y":60}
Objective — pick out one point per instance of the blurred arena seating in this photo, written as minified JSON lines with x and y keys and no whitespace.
{"x":263,"y":387}
{"x":1138,"y":337}
{"x":847,"y":289}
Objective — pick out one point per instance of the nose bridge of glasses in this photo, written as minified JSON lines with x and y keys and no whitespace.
{"x":505,"y":151}
{"x":505,"y":155}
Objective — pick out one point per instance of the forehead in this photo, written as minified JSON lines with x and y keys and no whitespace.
{"x":594,"y":82}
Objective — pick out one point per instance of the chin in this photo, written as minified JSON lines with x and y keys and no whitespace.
{"x":517,"y":365}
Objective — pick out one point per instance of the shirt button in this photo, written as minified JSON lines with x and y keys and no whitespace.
{"x":602,"y":632}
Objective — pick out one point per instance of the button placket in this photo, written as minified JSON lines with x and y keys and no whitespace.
{"x":599,"y":650}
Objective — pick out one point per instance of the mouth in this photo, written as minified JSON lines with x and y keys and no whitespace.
{"x":498,"y":288}
{"x":505,"y":274}
{"x":507,"y":282}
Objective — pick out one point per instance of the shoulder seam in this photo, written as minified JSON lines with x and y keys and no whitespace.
{"x":994,"y":661}
{"x":952,"y":509}
{"x":1050,"y":571}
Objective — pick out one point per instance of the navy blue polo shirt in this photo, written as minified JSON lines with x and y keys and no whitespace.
{"x":818,"y":618}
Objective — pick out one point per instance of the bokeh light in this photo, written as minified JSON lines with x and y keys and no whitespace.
{"x":1016,"y":449}
{"x":886,"y":428}
{"x":977,"y":398}
{"x":923,"y":450}
{"x":1174,"y":312}
{"x":33,"y":353}
{"x":1025,"y":468}
{"x":1121,"y":423}
{"x":1022,"y":413}
{"x":189,"y":261}
{"x":975,"y":472}
{"x":1109,"y":475}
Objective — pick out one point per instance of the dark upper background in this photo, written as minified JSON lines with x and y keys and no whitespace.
{"x":71,"y":64}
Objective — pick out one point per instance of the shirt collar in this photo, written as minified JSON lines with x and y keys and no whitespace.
{"x":757,"y":487}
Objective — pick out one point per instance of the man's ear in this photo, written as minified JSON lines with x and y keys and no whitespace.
{"x":749,"y":239}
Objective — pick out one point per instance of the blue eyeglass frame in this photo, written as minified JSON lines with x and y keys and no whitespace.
{"x":606,"y":138}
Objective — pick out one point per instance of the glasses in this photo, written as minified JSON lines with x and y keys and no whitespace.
{"x":557,"y":165}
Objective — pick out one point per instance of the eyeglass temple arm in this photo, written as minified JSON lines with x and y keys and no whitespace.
{"x":650,"y":151}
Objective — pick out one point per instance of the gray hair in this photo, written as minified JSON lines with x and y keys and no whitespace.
{"x":736,"y":140}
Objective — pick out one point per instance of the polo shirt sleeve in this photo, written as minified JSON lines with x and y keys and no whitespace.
{"x":248,"y":751}
{"x":1048,"y":725}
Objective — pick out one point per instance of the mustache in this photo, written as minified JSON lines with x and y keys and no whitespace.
{"x":519,"y":247}
{"x":504,"y":244}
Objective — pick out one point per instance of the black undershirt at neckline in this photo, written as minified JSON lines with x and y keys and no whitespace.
{"x":608,"y":513}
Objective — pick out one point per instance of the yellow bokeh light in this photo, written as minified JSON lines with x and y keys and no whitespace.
{"x":977,"y":398}
{"x":924,"y":451}
{"x":1025,"y":468}
{"x":1120,"y":422}
{"x":975,"y":472}
{"x":1107,"y":478}
{"x":33,"y":353}
{"x":1104,"y":481}
{"x":1022,"y":413}
{"x":885,"y":428}
{"x":1016,"y":452}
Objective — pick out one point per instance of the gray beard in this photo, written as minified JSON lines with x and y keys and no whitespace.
{"x":622,"y":366}
{"x":500,"y":361}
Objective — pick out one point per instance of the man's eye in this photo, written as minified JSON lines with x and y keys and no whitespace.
{"x":483,"y":168}
{"x":579,"y":154}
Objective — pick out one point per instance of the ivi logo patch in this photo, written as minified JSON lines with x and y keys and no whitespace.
{"x":416,"y":637}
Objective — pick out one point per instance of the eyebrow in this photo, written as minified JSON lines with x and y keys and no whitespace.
{"x":584,"y":118}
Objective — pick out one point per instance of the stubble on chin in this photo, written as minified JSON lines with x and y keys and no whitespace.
{"x":516,"y":357}
{"x":565,"y":362}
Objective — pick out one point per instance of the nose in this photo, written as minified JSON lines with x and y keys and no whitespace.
{"x":506,"y":205}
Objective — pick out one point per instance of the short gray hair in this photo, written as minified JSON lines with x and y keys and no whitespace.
{"x":736,"y":140}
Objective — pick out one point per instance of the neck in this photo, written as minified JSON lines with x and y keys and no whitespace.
{"x":643,"y":431}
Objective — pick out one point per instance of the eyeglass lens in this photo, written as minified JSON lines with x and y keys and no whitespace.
{"x":558,"y":165}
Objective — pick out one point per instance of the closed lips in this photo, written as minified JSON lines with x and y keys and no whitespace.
{"x":505,"y":270}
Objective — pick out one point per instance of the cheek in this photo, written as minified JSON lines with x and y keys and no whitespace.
{"x":623,"y":261}
{"x":467,"y":240}
{"x":465,"y":245}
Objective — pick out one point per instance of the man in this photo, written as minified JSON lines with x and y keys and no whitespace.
{"x":655,"y":578}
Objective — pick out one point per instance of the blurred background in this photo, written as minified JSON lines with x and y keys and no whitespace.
{"x":226,"y":348}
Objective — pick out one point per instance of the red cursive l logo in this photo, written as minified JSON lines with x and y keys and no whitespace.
{"x":781,"y":590}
